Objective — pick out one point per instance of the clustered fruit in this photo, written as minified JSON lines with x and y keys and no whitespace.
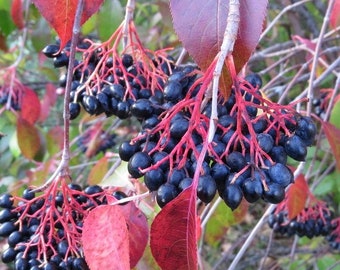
{"x":106,"y":82}
{"x":311,"y":222}
{"x":44,"y":231}
{"x":247,"y":157}
{"x":314,"y":220}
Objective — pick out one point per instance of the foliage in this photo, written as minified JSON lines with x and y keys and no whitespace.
{"x":40,"y":147}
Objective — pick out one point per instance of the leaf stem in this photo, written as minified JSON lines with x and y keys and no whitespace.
{"x":227,"y":48}
{"x":129,"y":10}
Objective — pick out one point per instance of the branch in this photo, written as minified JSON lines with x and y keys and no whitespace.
{"x":130,"y":8}
{"x":227,"y":48}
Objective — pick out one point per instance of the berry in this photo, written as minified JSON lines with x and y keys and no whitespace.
{"x":51,"y":50}
{"x":153,"y":179}
{"x":14,"y":238}
{"x":60,"y":60}
{"x":74,"y":110}
{"x":104,"y":101}
{"x":7,"y":215}
{"x":252,"y":189}
{"x":120,"y":195}
{"x":166,"y":193}
{"x":28,"y":194}
{"x":138,"y":161}
{"x":265,"y":142}
{"x":7,"y":228}
{"x":173,"y":91}
{"x":275,"y":193}
{"x":127,"y":150}
{"x":306,"y":130}
{"x":206,"y":188}
{"x":142,"y":108}
{"x":6,"y":200}
{"x":185,"y":183}
{"x":178,"y":128}
{"x":90,"y":104}
{"x":295,"y":148}
{"x":8,"y":255}
{"x":281,"y":174}
{"x":90,"y":190}
{"x":123,"y":110}
{"x":254,"y":79}
{"x":278,"y":154}
{"x":232,"y":196}
{"x":176,"y":176}
{"x":236,"y":161}
{"x":127,"y":60}
{"x":79,"y":264}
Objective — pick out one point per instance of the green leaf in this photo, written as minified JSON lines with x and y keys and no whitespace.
{"x":219,"y":222}
{"x":6,"y":23}
{"x":325,"y":262}
{"x":335,"y":115}
{"x":109,"y":18}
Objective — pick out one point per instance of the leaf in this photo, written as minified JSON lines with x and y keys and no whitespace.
{"x":30,"y":106}
{"x":173,"y":233}
{"x":335,"y":115}
{"x":223,"y":218}
{"x":61,"y":13}
{"x":55,"y":140}
{"x":334,"y":20}
{"x":98,"y":171}
{"x":138,"y":231}
{"x":105,"y":239}
{"x":28,"y":138}
{"x":297,"y":196}
{"x":200,"y":25}
{"x":333,"y":137}
{"x":17,"y":14}
{"x":48,"y":101}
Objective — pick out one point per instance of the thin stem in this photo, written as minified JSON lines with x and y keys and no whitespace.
{"x":227,"y":48}
{"x":316,"y":56}
{"x":130,"y":8}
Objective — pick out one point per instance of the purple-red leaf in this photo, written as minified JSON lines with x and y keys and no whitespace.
{"x":17,"y":14}
{"x":105,"y":239}
{"x":333,"y":137}
{"x":297,"y":196}
{"x":28,"y":138}
{"x":335,"y":15}
{"x":200,"y":25}
{"x":48,"y":101}
{"x":30,"y":105}
{"x":173,"y":233}
{"x":138,"y":231}
{"x":60,"y":14}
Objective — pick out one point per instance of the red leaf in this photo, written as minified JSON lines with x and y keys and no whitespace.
{"x":138,"y":231}
{"x":17,"y":14}
{"x":105,"y":239}
{"x":173,"y":233}
{"x":98,"y":171}
{"x":30,"y":106}
{"x":200,"y":25}
{"x":333,"y":137}
{"x":297,"y":196}
{"x":60,"y":14}
{"x":48,"y":101}
{"x":28,"y":138}
{"x":335,"y":15}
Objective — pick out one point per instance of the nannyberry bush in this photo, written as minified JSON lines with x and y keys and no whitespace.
{"x":103,"y":128}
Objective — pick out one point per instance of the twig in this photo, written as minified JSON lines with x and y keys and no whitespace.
{"x":129,"y":10}
{"x":63,"y":168}
{"x":181,"y":57}
{"x":270,"y":241}
{"x":280,"y":15}
{"x":227,"y":48}
{"x":316,"y":56}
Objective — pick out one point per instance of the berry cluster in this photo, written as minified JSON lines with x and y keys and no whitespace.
{"x":4,"y":96}
{"x":247,"y":157}
{"x":105,"y":81}
{"x":44,"y":231}
{"x":311,"y":222}
{"x":334,"y":237}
